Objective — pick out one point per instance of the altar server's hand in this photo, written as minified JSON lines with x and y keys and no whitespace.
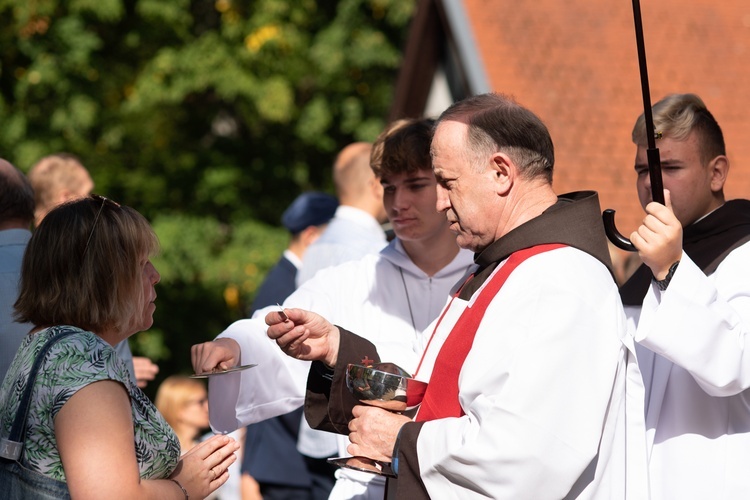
{"x":373,"y":432}
{"x":220,"y":354}
{"x":304,"y":335}
{"x":659,"y":238}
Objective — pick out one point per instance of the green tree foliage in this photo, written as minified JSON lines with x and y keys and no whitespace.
{"x":208,"y":116}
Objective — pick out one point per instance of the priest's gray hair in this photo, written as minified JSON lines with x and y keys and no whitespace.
{"x":496,"y":123}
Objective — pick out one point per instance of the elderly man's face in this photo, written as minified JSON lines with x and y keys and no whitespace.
{"x":466,"y":191}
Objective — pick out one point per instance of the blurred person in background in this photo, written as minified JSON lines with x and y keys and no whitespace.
{"x":87,"y":283}
{"x":355,"y":229}
{"x":271,"y":462}
{"x":61,"y":177}
{"x":306,"y":219}
{"x":354,"y":232}
{"x":183,"y":402}
{"x":16,"y":216}
{"x":56,"y":179}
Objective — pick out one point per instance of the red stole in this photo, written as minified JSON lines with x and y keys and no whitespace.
{"x":441,"y":397}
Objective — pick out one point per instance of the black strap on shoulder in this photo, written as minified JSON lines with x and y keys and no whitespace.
{"x":12,"y":446}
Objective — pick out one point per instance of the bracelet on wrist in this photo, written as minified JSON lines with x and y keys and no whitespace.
{"x":663,"y":284}
{"x":184,"y":491}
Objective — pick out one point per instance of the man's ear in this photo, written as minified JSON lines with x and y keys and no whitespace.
{"x":376,"y":188}
{"x":503,"y":171}
{"x":718,"y":170}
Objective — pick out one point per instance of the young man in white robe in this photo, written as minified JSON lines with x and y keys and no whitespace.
{"x":393,"y":295}
{"x":694,"y":329}
{"x":527,"y":366}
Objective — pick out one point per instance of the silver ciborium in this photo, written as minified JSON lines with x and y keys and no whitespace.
{"x":387,"y":386}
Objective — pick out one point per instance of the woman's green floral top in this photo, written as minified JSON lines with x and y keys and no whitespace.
{"x":71,"y":364}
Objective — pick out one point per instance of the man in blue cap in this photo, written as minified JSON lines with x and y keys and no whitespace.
{"x":279,"y":469}
{"x":306,"y":218}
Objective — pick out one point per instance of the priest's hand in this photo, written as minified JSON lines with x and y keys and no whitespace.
{"x":304,"y":335}
{"x":659,"y":238}
{"x":373,"y":432}
{"x":220,"y":354}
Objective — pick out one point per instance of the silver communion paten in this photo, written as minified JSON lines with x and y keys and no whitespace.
{"x":222,"y":372}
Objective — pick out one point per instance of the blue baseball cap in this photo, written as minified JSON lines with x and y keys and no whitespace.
{"x":309,"y":209}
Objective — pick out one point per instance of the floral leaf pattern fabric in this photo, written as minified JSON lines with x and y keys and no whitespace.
{"x":71,"y":364}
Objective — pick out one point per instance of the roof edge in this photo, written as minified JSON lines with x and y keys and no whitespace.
{"x":462,"y":32}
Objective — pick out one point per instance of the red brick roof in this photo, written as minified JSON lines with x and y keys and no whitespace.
{"x":575,"y":64}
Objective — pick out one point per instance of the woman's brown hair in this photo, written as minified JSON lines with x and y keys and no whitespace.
{"x":82,"y":266}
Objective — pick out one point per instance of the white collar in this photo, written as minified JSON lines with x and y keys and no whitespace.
{"x":292,"y":257}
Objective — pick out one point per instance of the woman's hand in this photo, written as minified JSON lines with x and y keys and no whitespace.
{"x":204,"y":468}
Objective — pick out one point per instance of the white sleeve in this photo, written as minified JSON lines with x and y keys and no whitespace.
{"x":275,"y":387}
{"x":702,"y":323}
{"x":546,"y":363}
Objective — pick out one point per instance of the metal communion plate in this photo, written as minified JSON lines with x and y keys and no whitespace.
{"x":222,"y":372}
{"x":364,"y":464}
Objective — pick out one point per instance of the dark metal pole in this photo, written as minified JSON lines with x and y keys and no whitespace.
{"x":652,"y":153}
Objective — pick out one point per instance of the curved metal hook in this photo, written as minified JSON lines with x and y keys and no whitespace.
{"x":613,"y":234}
{"x":652,"y":152}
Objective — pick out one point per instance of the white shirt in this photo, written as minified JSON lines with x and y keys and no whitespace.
{"x":351,"y":234}
{"x":292,"y":257}
{"x":695,"y":358}
{"x":366,"y":296}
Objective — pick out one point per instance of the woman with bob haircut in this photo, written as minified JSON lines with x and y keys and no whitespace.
{"x":87,"y":279}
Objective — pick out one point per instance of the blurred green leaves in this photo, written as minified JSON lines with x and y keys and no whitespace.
{"x":208,"y":116}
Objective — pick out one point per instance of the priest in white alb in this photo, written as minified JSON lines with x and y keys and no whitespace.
{"x":532,"y":384}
